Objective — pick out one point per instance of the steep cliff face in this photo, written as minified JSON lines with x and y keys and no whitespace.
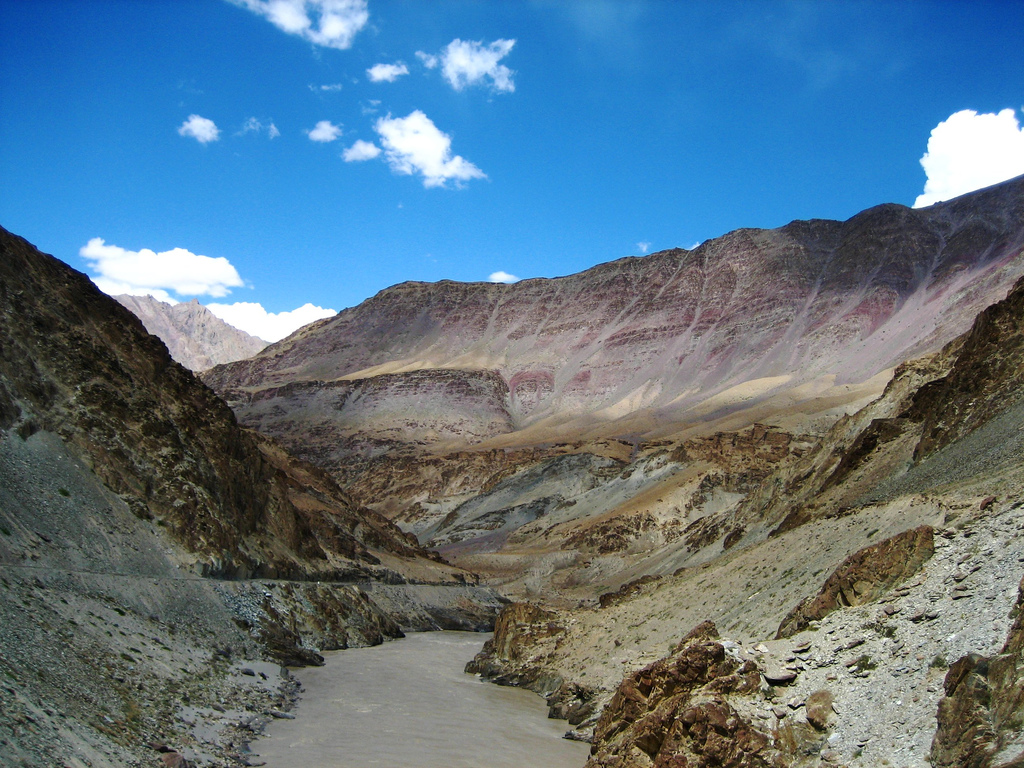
{"x":422,"y":407}
{"x":76,"y":364}
{"x":645,"y":344}
{"x":942,"y":419}
{"x":194,"y":336}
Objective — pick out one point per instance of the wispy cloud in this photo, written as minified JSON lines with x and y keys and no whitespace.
{"x":199,"y":128}
{"x":386,"y":73}
{"x":140,"y":272}
{"x":430,"y":61}
{"x":252,"y":318}
{"x":468,"y":62}
{"x":968,"y":151}
{"x":502,"y":277}
{"x":361,"y":150}
{"x":643,"y":246}
{"x":327,"y":23}
{"x":413,"y":144}
{"x":255,"y":125}
{"x":324,"y":132}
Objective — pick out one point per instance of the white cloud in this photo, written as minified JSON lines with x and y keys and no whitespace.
{"x":328,"y":88}
{"x":643,"y":246}
{"x":145,"y":272}
{"x":361,"y":150}
{"x":413,"y":144}
{"x":199,"y":128}
{"x":254,"y":125}
{"x":329,"y":23}
{"x":113,"y":288}
{"x":387,"y":73}
{"x":968,"y":151}
{"x":372,"y":107}
{"x":430,"y":61}
{"x":252,"y":318}
{"x":502,"y":277}
{"x":468,"y":62}
{"x":324,"y":132}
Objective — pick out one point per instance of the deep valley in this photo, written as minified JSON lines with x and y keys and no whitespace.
{"x":759,"y":503}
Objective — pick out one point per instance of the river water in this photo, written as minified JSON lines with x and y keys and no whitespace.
{"x":408,"y":704}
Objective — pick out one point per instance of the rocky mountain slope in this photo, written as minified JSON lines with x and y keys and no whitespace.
{"x":194,"y":336}
{"x":801,"y":319}
{"x":566,"y":437}
{"x":868,"y":614}
{"x":152,"y":551}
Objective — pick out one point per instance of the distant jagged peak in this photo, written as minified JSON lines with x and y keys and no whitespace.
{"x":194,"y":336}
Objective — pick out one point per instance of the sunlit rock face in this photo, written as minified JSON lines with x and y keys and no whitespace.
{"x":800,"y":316}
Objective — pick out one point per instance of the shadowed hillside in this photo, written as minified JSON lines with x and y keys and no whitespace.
{"x":125,"y":485}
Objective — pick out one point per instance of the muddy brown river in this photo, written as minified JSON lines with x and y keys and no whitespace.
{"x":408,"y":704}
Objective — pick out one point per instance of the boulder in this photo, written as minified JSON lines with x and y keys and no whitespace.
{"x":864,"y":576}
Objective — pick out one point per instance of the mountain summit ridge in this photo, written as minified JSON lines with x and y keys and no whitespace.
{"x":810,"y":317}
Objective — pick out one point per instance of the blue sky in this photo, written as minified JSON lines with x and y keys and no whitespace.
{"x":289,"y":152}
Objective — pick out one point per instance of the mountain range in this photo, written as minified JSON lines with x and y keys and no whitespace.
{"x":808,"y":318}
{"x":756,"y":503}
{"x":780,"y":433}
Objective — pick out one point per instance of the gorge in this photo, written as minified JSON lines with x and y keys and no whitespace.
{"x":732,"y":493}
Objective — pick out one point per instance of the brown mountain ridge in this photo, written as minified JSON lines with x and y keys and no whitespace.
{"x":808,"y":314}
{"x":151,"y":549}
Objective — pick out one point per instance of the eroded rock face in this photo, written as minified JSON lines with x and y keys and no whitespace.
{"x":864,"y":576}
{"x":680,"y":711}
{"x":504,"y":658}
{"x":75,"y":363}
{"x":981,"y":718}
{"x":194,"y":336}
{"x":683,"y":334}
{"x":987,"y":378}
{"x":421,"y":407}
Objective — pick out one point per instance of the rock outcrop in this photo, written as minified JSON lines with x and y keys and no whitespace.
{"x":981,"y":717}
{"x":863,"y":577}
{"x":194,"y":336}
{"x":685,"y":710}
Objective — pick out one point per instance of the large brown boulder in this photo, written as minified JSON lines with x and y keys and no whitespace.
{"x":864,"y":576}
{"x":680,"y":712}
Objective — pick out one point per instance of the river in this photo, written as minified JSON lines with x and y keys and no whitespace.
{"x":408,"y":704}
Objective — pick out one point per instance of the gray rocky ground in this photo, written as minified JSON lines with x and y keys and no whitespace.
{"x":884,"y":663}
